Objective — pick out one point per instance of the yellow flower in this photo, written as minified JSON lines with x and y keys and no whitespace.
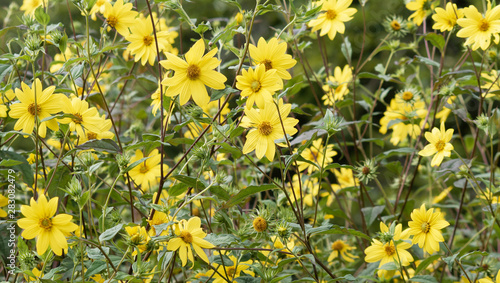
{"x":439,"y":145}
{"x":190,"y":235}
{"x":146,"y":174}
{"x":273,"y":56}
{"x":4,"y":99}
{"x":259,"y":85}
{"x":99,"y":7}
{"x":490,"y":83}
{"x":192,"y":75}
{"x":447,"y":19}
{"x":266,"y":128}
{"x":138,"y":237}
{"x":421,"y":8}
{"x":223,"y":272}
{"x":3,"y":202}
{"x":443,"y":114}
{"x":340,"y":247}
{"x":158,"y":219}
{"x":103,"y":133}
{"x":85,"y":118}
{"x":337,"y":86}
{"x":119,"y":16}
{"x":259,"y":224}
{"x":392,"y":249}
{"x":426,"y":228}
{"x":402,"y":118}
{"x":317,"y":154}
{"x":335,"y":14}
{"x":29,"y":6}
{"x":479,"y":29}
{"x":442,"y":195}
{"x":48,"y":229}
{"x":59,"y":60}
{"x":47,"y":104}
{"x":310,"y":189}
{"x":488,"y":280}
{"x":142,"y":41}
{"x":489,"y":197}
{"x":38,"y":274}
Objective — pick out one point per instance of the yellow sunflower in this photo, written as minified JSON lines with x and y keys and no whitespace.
{"x":479,"y":29}
{"x":447,"y":19}
{"x":120,"y":16}
{"x":341,"y":248}
{"x":258,"y":85}
{"x":439,"y":144}
{"x":146,"y":174}
{"x":273,"y":56}
{"x":334,"y":14}
{"x":426,"y":228}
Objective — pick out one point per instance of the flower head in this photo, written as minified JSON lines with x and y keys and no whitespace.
{"x":273,"y":56}
{"x":334,"y":14}
{"x":267,"y":128}
{"x":147,"y":173}
{"x":48,"y":229}
{"x":447,"y":19}
{"x":426,"y":228}
{"x":317,"y":154}
{"x":258,"y":85}
{"x":226,"y":271}
{"x":192,"y":75}
{"x":479,"y":29}
{"x":36,"y":102}
{"x":189,"y":236}
{"x":99,"y":7}
{"x":29,"y":6}
{"x":4,"y":99}
{"x":84,"y":118}
{"x":341,"y":248}
{"x":337,"y":86}
{"x":439,"y":144}
{"x":421,"y":8}
{"x":120,"y":16}
{"x":3,"y":202}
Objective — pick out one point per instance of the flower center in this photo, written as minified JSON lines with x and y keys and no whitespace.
{"x":255,"y":86}
{"x":78,"y":118}
{"x":484,"y":25}
{"x":425,"y":227}
{"x":407,"y":96}
{"x":148,"y":39}
{"x":265,"y":128}
{"x":231,"y":272}
{"x":144,"y":169}
{"x":99,"y":3}
{"x":91,"y":136}
{"x":313,"y":155}
{"x":112,"y":21}
{"x":331,"y":14}
{"x":186,"y":237}
{"x":390,"y":250}
{"x":338,"y":245}
{"x":33,"y":110}
{"x":440,"y":145}
{"x":268,"y":64}
{"x":46,"y":223}
{"x":193,"y":72}
{"x":259,"y":224}
{"x":395,"y":25}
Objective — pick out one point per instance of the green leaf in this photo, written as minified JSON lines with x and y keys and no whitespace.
{"x":426,"y":61}
{"x":250,"y":190}
{"x":202,"y":28}
{"x":220,"y":192}
{"x":10,"y":162}
{"x":436,"y":40}
{"x":473,"y":253}
{"x":190,"y":181}
{"x":110,"y":233}
{"x":450,"y":260}
{"x":423,"y":279}
{"x":24,"y":167}
{"x":346,"y":49}
{"x":106,"y":145}
{"x":96,"y":254}
{"x":42,"y":17}
{"x":133,"y":165}
{"x":344,"y":231}
{"x":177,"y":189}
{"x":371,"y":213}
{"x":426,"y":263}
{"x":397,"y":151}
{"x":5,"y":70}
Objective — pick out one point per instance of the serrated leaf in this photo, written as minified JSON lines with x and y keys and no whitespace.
{"x":248,"y":191}
{"x":436,"y":40}
{"x":110,"y":233}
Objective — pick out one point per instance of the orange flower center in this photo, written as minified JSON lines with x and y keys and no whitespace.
{"x":78,"y":118}
{"x":46,"y":223}
{"x":91,"y":136}
{"x":148,"y":39}
{"x":331,"y":14}
{"x":338,"y":245}
{"x":484,"y":25}
{"x":395,"y":25}
{"x":425,"y":227}
{"x":143,"y":169}
{"x":259,"y":224}
{"x":112,"y":21}
{"x":407,"y":96}
{"x":390,"y":250}
{"x":255,"y":86}
{"x":265,"y":128}
{"x":193,"y":72}
{"x":186,"y":237}
{"x":268,"y":64}
{"x":440,"y":145}
{"x":33,"y":110}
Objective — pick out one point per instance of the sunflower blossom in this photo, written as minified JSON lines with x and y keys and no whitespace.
{"x":316,"y":154}
{"x":273,"y":56}
{"x":445,"y":20}
{"x":439,"y":144}
{"x":4,"y":99}
{"x":258,"y":85}
{"x":138,"y":237}
{"x":29,"y":6}
{"x":266,"y":128}
{"x":48,"y":229}
{"x":189,"y":236}
{"x":120,"y":16}
{"x":426,"y":228}
{"x":84,"y":118}
{"x":148,"y":172}
{"x":225,"y":271}
{"x":340,"y":247}
{"x":488,"y":280}
{"x":337,"y":86}
{"x":3,"y":202}
{"x":479,"y":29}
{"x":421,"y":8}
{"x":192,"y":75}
{"x":27,"y":111}
{"x":99,"y":7}
{"x":334,"y":14}
{"x":391,"y":248}
{"x":142,"y":41}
